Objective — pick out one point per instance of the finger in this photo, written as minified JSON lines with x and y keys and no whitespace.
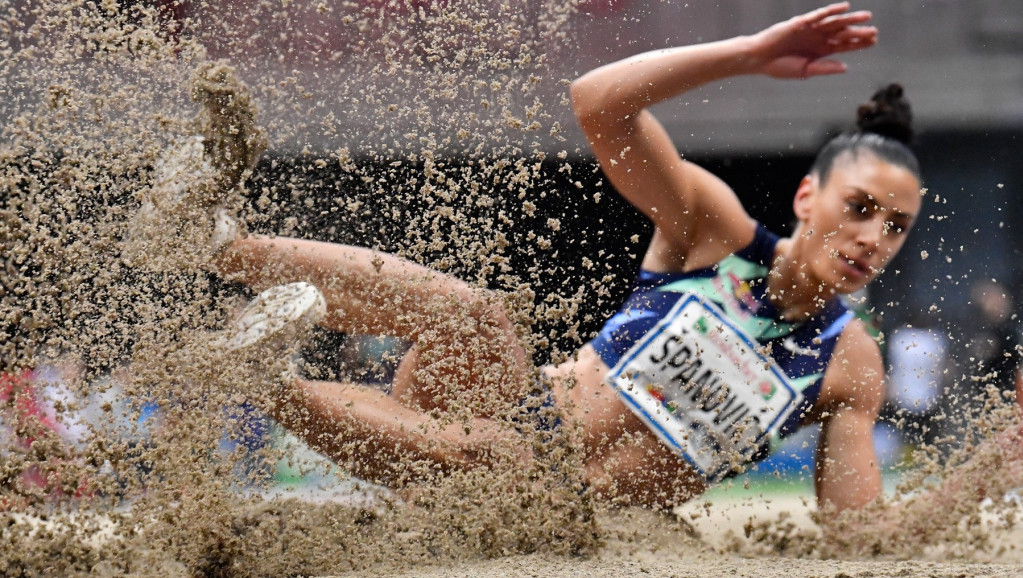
{"x":851,"y":46}
{"x":840,"y":21}
{"x":853,"y":33}
{"x":853,"y":39}
{"x":819,"y":14}
{"x":824,"y":66}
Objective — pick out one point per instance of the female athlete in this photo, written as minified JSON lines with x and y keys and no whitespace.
{"x":731,"y":337}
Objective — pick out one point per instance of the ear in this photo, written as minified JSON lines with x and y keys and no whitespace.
{"x":802,"y":204}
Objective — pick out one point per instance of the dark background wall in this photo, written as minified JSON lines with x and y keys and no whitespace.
{"x":970,"y":227}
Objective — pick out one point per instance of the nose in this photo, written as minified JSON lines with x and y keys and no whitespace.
{"x":870,"y":234}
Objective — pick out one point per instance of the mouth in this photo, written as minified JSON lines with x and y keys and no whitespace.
{"x":855,"y":268}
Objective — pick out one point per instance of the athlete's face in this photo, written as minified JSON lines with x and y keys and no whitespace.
{"x":856,"y":221}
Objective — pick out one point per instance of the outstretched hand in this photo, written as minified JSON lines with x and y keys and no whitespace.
{"x":800,"y":46}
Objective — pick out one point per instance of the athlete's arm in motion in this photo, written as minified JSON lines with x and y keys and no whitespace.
{"x":698,"y":219}
{"x":994,"y":467}
{"x":847,"y":474}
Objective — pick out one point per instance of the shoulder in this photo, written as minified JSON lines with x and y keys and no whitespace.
{"x":698,"y":220}
{"x":855,"y":375}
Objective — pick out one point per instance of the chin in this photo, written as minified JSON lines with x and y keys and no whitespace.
{"x":846,"y":286}
{"x":837,"y":284}
{"x":841,"y":283}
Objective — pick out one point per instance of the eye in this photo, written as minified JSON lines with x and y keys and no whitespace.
{"x":857,"y":207}
{"x":891,"y":227}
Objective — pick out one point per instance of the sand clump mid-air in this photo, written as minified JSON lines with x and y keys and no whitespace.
{"x":425,"y":132}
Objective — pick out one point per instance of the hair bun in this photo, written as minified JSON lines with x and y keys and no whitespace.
{"x":887,"y":114}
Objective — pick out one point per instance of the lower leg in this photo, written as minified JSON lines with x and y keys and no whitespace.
{"x":366,"y":291}
{"x":376,"y":436}
{"x":380,"y":440}
{"x":463,"y":339}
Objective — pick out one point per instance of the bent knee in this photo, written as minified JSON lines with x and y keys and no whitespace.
{"x":480,"y":442}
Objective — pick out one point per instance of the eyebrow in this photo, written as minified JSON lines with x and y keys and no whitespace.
{"x":868,"y":196}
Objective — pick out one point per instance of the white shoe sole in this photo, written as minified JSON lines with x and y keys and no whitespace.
{"x":276,"y":316}
{"x":182,"y":168}
{"x":172,"y":220}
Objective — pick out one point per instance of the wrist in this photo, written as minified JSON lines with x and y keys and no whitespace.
{"x":751,"y":55}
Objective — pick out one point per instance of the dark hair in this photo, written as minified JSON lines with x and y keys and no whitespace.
{"x":884,"y":127}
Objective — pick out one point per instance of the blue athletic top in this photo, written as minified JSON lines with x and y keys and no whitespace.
{"x":738,"y":285}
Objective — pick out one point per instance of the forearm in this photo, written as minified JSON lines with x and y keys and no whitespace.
{"x":847,"y":475}
{"x":845,"y":487}
{"x":623,"y":88}
{"x":799,"y":47}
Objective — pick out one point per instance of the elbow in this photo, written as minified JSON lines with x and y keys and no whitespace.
{"x":584,"y":101}
{"x":596,"y":102}
{"x":599,"y":106}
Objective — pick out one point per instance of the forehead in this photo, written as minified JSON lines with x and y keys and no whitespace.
{"x":891,"y":187}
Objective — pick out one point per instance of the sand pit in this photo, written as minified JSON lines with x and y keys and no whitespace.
{"x":714,"y":565}
{"x":712,"y":543}
{"x":133,"y":446}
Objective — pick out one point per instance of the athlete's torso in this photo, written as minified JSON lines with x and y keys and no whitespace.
{"x":736,"y":287}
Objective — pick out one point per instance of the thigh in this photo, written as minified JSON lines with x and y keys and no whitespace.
{"x":379,"y":439}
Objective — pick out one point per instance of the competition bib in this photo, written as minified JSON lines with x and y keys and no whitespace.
{"x":700,"y":384}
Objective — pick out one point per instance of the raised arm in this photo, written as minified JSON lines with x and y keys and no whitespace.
{"x":697,"y":218}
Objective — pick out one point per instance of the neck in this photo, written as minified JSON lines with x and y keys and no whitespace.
{"x":791,"y":286}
